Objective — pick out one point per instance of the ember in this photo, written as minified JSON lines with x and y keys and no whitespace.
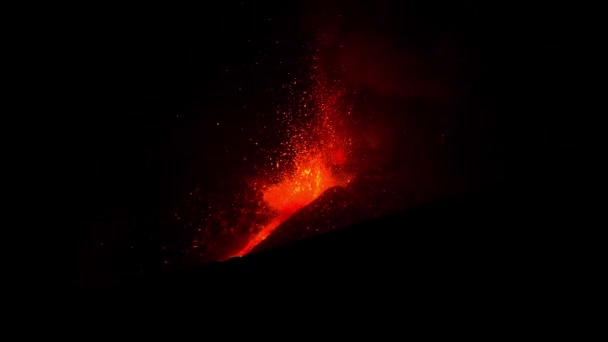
{"x":313,"y":157}
{"x":315,"y":149}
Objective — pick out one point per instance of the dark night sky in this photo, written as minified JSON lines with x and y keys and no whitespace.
{"x":134,"y":99}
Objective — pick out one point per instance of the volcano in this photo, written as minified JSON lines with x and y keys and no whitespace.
{"x":371,"y":195}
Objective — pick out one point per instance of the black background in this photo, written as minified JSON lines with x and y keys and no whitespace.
{"x":130,"y":101}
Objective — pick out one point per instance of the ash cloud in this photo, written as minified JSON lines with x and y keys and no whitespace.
{"x":415,"y":68}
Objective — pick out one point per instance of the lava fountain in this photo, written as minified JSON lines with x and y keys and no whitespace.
{"x":304,"y":185}
{"x":314,"y":155}
{"x":317,"y":149}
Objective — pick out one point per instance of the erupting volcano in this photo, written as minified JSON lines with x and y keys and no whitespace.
{"x":307,"y":182}
{"x":312,"y":157}
{"x":315,"y":151}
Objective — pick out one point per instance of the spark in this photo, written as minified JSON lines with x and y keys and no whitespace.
{"x":315,"y":146}
{"x":317,"y":149}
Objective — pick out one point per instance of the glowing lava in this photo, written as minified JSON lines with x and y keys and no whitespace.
{"x":316,"y":147}
{"x":310,"y":178}
{"x":314,"y":155}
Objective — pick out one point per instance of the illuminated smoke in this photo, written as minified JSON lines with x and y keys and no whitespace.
{"x":314,"y":155}
{"x":316,"y":150}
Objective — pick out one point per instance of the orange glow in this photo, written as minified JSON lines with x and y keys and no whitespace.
{"x":316,"y":146}
{"x":313,"y":156}
{"x":309,"y":180}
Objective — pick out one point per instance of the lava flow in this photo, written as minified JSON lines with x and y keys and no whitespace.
{"x":316,"y":148}
{"x":313,"y":157}
{"x":310,"y":178}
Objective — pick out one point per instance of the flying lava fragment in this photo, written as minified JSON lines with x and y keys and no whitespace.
{"x":312,"y":158}
{"x":317,"y":149}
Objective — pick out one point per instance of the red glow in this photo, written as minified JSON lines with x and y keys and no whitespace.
{"x":339,"y":157}
{"x":312,"y":157}
{"x":315,"y":147}
{"x":309,"y":179}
